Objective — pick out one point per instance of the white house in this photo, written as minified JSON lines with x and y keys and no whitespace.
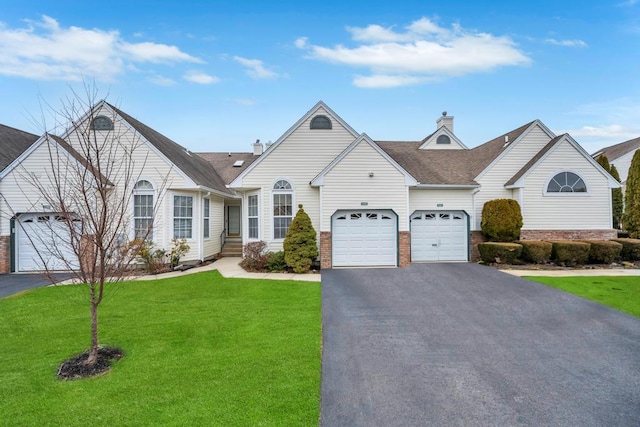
{"x":621,"y":155}
{"x":373,"y":203}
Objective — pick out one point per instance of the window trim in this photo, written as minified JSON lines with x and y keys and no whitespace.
{"x":102,"y":117}
{"x":318,"y":118}
{"x":144,"y":192}
{"x":565,"y":194}
{"x":293,"y":204}
{"x":256,"y":216}
{"x":173,"y":217}
{"x":206,"y":218}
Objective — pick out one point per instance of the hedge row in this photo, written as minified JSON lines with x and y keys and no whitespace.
{"x":562,"y":252}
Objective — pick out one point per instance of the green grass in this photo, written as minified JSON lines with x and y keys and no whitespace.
{"x":199,"y":350}
{"x":619,"y":292}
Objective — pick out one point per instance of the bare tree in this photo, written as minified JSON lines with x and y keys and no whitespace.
{"x":88,"y":181}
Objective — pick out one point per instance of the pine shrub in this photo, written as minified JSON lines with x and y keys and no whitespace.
{"x":300,"y":247}
{"x":276,"y":262}
{"x":536,"y":251}
{"x":630,"y":249}
{"x":499,"y":252}
{"x":501,"y":220}
{"x":604,"y":251}
{"x":631,"y":217}
{"x":570,"y":252}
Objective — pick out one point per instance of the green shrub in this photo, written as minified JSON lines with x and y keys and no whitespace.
{"x":300,"y":247}
{"x":276,"y":262}
{"x":631,"y":217}
{"x":499,"y":252}
{"x":603,"y":251}
{"x":255,"y":258}
{"x":630,"y":249}
{"x":570,"y":252}
{"x":501,"y":220}
{"x":535,"y":251}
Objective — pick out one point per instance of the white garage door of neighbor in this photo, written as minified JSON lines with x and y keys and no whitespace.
{"x":43,"y":240}
{"x":439,"y":236}
{"x":364,"y":238}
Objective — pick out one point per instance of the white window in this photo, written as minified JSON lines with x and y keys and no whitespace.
{"x":205,"y":218}
{"x":182,"y":217}
{"x":252,"y":214}
{"x":143,"y":208}
{"x":282,"y":208}
{"x":566,"y":182}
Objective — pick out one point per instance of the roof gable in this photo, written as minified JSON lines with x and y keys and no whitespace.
{"x":616,"y":151}
{"x":13,"y":143}
{"x":431,"y":141}
{"x":320,"y":105}
{"x":517,"y":180}
{"x":364,"y":138}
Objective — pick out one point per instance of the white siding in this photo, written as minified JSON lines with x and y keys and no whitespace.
{"x":211,"y":246}
{"x":492,"y":183}
{"x":567,"y":211}
{"x":298,"y":158}
{"x":623,"y":163}
{"x":348,"y":185}
{"x":428,"y":199}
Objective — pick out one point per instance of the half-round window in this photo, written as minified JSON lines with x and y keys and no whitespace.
{"x":566,"y":182}
{"x":282,"y":185}
{"x":143,"y":185}
{"x":102,"y":123}
{"x":320,"y":122}
{"x":443,"y":139}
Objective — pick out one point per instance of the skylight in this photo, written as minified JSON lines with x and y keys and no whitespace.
{"x":238,"y":163}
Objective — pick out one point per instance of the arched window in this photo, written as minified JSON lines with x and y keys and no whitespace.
{"x":566,"y":182}
{"x":102,"y":123}
{"x":143,"y":193}
{"x":443,"y":139}
{"x":320,"y":122}
{"x":282,"y":208}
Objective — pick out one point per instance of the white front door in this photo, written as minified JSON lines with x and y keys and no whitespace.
{"x":43,"y":243}
{"x":439,"y":236}
{"x":233,"y":218}
{"x":364,"y":238}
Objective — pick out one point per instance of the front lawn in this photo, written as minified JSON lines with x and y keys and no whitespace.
{"x":619,"y":292}
{"x":199,"y":350}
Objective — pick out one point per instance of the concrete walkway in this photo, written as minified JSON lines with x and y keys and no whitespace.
{"x":576,"y":272}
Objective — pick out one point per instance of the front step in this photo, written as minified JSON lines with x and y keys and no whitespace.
{"x":231,"y":249}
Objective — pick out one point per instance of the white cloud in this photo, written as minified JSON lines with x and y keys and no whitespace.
{"x":568,"y":43}
{"x":423,"y":52}
{"x":615,"y":132}
{"x":246,"y":102}
{"x":162,"y":81}
{"x":46,"y":51}
{"x":200,"y":78}
{"x":256,"y":69}
{"x":301,"y":42}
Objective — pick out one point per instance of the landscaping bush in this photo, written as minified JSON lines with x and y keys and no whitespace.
{"x":536,"y":251}
{"x":276,"y":262}
{"x":499,"y":252}
{"x":501,"y":220}
{"x":300,"y":247}
{"x":255,"y":258}
{"x":630,"y":249}
{"x":603,"y":251}
{"x":570,"y":252}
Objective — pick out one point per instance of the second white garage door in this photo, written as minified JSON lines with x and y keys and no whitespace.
{"x":439,"y":236}
{"x":364,"y":238}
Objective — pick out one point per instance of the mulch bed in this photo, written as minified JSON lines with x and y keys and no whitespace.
{"x":77,"y":367}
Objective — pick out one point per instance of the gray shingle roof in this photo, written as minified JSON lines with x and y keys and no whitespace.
{"x":223,"y":163}
{"x":618,"y":150}
{"x":13,"y":143}
{"x":534,"y":159}
{"x":194,"y":166}
{"x":79,"y":157}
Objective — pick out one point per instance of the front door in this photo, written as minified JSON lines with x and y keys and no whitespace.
{"x":233,"y":217}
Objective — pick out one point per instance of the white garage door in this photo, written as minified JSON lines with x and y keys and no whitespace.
{"x":43,"y":240}
{"x":439,"y":236}
{"x":364,"y":238}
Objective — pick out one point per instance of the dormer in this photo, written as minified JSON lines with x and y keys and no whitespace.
{"x":443,"y":138}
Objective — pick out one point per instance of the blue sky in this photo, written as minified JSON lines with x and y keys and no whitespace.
{"x":217,"y":75}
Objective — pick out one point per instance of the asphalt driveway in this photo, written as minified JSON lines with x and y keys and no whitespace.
{"x":13,"y":283}
{"x":463,"y":344}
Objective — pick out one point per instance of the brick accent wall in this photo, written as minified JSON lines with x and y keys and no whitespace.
{"x":476,"y":237}
{"x":404,"y":240}
{"x":325,"y":250}
{"x":5,"y":254}
{"x":568,"y":234}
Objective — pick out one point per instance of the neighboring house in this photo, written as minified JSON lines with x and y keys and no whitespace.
{"x":373,"y":203}
{"x":621,"y":155}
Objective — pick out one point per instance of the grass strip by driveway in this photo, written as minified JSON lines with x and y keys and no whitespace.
{"x":619,"y":292}
{"x":199,"y":350}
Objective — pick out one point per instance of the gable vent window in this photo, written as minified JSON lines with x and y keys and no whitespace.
{"x":566,"y":182}
{"x":320,"y":122}
{"x":443,"y":139}
{"x":102,"y":123}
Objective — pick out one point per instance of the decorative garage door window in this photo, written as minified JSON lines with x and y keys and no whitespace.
{"x":364,"y":238}
{"x":439,"y":236}
{"x":566,"y":182}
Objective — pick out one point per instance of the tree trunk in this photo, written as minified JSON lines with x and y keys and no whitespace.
{"x":93,"y":351}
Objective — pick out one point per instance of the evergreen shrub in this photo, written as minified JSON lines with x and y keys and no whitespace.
{"x":499,"y":252}
{"x":604,"y":251}
{"x":570,"y":252}
{"x":630,"y":249}
{"x":501,"y":220}
{"x":300,"y":247}
{"x":535,"y":251}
